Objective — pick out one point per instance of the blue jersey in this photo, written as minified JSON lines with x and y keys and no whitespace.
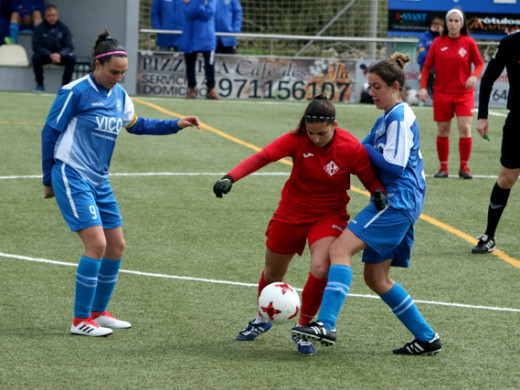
{"x":396,"y":136}
{"x":89,"y":118}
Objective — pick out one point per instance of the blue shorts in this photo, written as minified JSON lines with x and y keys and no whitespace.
{"x":389,"y":234}
{"x":81,"y":204}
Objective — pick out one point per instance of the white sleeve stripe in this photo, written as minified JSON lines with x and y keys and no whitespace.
{"x":64,"y":106}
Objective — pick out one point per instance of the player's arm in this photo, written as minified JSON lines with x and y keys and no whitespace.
{"x":49,"y":138}
{"x":425,"y":73}
{"x":494,"y":69}
{"x":146,"y":126}
{"x":273,"y":152}
{"x":396,"y":152}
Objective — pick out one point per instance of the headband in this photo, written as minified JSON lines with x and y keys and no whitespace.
{"x":320,"y":117}
{"x":457,"y":11}
{"x":121,"y":52}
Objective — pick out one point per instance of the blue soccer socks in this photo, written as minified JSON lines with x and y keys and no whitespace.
{"x":404,"y":308}
{"x":86,"y":283}
{"x":338,"y":285}
{"x":107,"y":278}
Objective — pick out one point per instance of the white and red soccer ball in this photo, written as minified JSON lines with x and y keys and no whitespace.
{"x":279,"y":303}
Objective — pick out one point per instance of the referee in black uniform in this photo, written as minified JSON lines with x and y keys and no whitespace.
{"x":507,"y":56}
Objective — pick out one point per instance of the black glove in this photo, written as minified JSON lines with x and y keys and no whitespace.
{"x":223,"y":186}
{"x":379,"y":199}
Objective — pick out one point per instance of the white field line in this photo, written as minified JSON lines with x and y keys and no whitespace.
{"x":231,"y":283}
{"x":216,"y":174}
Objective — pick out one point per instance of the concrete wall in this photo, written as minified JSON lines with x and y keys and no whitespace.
{"x":86,"y":19}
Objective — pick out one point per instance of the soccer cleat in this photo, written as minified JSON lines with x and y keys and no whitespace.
{"x":305,"y":347}
{"x":211,"y":95}
{"x":88,"y":327}
{"x":464,"y":173}
{"x":418,"y":347}
{"x":108,"y":320}
{"x":39,"y":88}
{"x":443,"y":172}
{"x":191,"y":94}
{"x":252,"y":330}
{"x":486,"y":244}
{"x":315,"y":331}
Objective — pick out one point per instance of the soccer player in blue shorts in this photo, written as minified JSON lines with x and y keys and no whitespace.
{"x":77,"y":144}
{"x":386,"y":236}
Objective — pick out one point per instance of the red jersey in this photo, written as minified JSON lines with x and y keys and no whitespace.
{"x":453,"y":59}
{"x":320,"y":177}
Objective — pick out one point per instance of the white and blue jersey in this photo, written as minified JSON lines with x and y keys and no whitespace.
{"x":395,"y":137}
{"x":89,"y":118}
{"x":77,"y":145}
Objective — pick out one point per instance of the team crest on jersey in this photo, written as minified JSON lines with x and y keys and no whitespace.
{"x":462,"y":52}
{"x":381,"y":130}
{"x":119,"y":104}
{"x":331,"y":168}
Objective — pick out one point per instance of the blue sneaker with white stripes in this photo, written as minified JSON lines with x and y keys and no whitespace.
{"x":305,"y":347}
{"x":252,"y":330}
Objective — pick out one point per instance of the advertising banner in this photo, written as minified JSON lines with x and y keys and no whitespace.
{"x":487,"y":19}
{"x":281,"y":78}
{"x":249,"y":77}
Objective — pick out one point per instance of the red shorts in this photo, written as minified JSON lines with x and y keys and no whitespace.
{"x":447,"y":104}
{"x":287,"y":238}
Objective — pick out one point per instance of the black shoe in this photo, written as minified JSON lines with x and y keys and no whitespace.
{"x":485,"y":244}
{"x":464,"y":173}
{"x":315,"y":331}
{"x":418,"y":347}
{"x":443,"y":172}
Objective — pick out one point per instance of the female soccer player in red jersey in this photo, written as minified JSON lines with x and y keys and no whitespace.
{"x":313,"y":203}
{"x":453,"y":55}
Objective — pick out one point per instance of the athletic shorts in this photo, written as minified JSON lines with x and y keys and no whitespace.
{"x":81,"y":204}
{"x":447,"y":104}
{"x":389,"y":234}
{"x":510,"y":158}
{"x":286,"y":238}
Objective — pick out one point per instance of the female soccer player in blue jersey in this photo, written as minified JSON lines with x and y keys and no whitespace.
{"x":77,"y":144}
{"x":386,"y":236}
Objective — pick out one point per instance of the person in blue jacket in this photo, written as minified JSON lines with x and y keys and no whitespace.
{"x":199,"y":37}
{"x":425,"y":41}
{"x":167,"y":15}
{"x":228,"y":19}
{"x":52,"y":43}
{"x":78,"y":140}
{"x":5,"y":14}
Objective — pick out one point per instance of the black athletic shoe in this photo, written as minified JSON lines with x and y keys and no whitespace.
{"x":418,"y":347}
{"x":485,"y":244}
{"x":315,"y":331}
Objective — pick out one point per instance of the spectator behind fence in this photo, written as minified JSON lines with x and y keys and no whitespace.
{"x":198,"y":36}
{"x":5,"y":13}
{"x":25,"y":16}
{"x":167,"y":15}
{"x":228,"y":19}
{"x":52,"y":43}
{"x":425,"y":41}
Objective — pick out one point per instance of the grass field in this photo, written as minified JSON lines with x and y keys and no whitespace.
{"x":188,"y":279}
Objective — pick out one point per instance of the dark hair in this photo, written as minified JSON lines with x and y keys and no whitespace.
{"x":319,"y":110}
{"x":431,"y":17}
{"x":392,"y":70}
{"x":464,"y":30}
{"x":106,"y":44}
{"x":51,"y":6}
